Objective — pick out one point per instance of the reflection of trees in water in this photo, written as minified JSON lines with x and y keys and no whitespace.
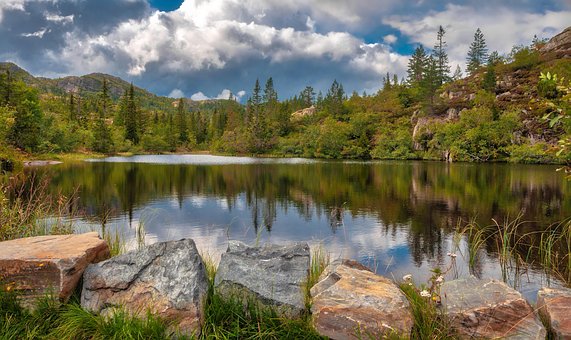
{"x":429,"y":197}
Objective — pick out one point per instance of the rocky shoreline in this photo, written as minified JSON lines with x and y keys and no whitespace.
{"x":348,"y":301}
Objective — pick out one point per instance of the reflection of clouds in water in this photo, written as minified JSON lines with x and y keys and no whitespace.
{"x":197,"y":201}
{"x":222,"y":203}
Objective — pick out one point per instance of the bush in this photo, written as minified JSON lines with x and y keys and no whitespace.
{"x":524,"y":57}
{"x":529,"y":153}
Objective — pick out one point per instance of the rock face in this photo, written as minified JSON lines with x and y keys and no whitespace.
{"x":168,"y":279}
{"x":559,"y":46}
{"x":309,"y":111}
{"x":351,"y":302}
{"x":272,"y":274}
{"x":35,"y":266}
{"x":555,"y":306}
{"x":489,"y":309}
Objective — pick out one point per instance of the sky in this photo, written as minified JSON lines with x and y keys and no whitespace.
{"x":210,"y":48}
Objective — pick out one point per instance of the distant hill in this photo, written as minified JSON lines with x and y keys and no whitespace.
{"x":92,"y":83}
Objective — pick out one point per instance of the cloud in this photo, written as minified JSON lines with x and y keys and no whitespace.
{"x":176,"y":93}
{"x":59,"y":18}
{"x":503,"y":27}
{"x":390,"y":39}
{"x":225,"y":94}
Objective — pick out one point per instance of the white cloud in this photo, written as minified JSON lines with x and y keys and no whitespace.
{"x":199,"y":96}
{"x":390,"y":39}
{"x":11,"y":5}
{"x":59,"y":18}
{"x":224,"y":94}
{"x":37,"y":34}
{"x":502,"y":27}
{"x":176,"y":93}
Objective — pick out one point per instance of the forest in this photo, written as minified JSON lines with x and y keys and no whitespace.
{"x":501,"y":108}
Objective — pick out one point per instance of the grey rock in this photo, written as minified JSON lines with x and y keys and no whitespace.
{"x":489,"y":309}
{"x":554,"y":304}
{"x":168,"y":279}
{"x":351,"y":302}
{"x":271,"y":274}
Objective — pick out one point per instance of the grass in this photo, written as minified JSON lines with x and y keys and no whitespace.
{"x":320,"y":259}
{"x":429,"y":320}
{"x":52,"y":320}
{"x":25,"y":204}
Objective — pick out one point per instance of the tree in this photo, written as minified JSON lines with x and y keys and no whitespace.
{"x":6,"y":87}
{"x":334,"y":100}
{"x":182,"y":128}
{"x":430,"y":82}
{"x":131,"y":131}
{"x":270,"y":94}
{"x":25,"y":132}
{"x":478,"y":53}
{"x":457,"y":74}
{"x":439,"y":54}
{"x":307,"y":96}
{"x":102,"y":141}
{"x":417,"y":66}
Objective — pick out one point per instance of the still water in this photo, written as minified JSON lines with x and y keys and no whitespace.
{"x":396,"y":217}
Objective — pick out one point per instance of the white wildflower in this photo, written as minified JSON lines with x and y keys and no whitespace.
{"x":452,"y":255}
{"x":424,"y":293}
{"x":440,"y":279}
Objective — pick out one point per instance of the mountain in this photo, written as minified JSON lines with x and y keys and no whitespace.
{"x":91,"y":84}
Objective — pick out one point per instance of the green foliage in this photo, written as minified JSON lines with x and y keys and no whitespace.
{"x":393,"y":141}
{"x":547,"y":86}
{"x":478,"y":53}
{"x":524,"y":57}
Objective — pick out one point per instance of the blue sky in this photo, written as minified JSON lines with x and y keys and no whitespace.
{"x":207,"y":48}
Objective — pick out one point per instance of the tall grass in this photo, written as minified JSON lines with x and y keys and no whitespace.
{"x":28,"y":209}
{"x":52,"y":320}
{"x":320,"y":259}
{"x":430,"y":322}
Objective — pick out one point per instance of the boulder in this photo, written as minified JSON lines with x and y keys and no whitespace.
{"x":351,"y":302}
{"x":489,"y":309}
{"x":36,"y":266}
{"x":559,"y":46}
{"x":274,"y":275}
{"x":168,"y":279}
{"x":554,"y":305}
{"x":309,"y":111}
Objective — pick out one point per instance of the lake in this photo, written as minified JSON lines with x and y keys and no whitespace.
{"x":395,"y":217}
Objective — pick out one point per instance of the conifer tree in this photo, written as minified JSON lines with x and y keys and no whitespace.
{"x":334,"y":100}
{"x":417,"y":66}
{"x":478,"y":53}
{"x":102,"y":141}
{"x":307,"y":96}
{"x":270,"y":94}
{"x":182,"y":127}
{"x":457,"y":74}
{"x":441,"y":57}
{"x":131,"y":131}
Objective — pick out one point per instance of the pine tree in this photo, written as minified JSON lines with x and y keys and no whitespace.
{"x":270,"y":94}
{"x":256,"y":98}
{"x":430,"y":82}
{"x":439,"y":54}
{"x":478,"y":53}
{"x":182,"y":128}
{"x":457,"y":74}
{"x":131,"y":131}
{"x":334,"y":100}
{"x":71,"y":107}
{"x":417,"y":66}
{"x":25,"y":132}
{"x":102,"y":141}
{"x":489,"y":81}
{"x":307,"y":96}
{"x":6,"y":87}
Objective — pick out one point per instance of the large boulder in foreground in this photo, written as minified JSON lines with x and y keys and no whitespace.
{"x":489,"y":309}
{"x":351,"y":302}
{"x":167,"y":279}
{"x":35,"y":266}
{"x":272,"y":274}
{"x":554,"y":304}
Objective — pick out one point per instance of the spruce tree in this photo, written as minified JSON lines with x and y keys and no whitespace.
{"x":417,"y":66}
{"x":457,"y":74}
{"x":181,"y":120}
{"x":439,"y":54}
{"x":131,"y":131}
{"x":270,"y":94}
{"x":478,"y":53}
{"x":334,"y":100}
{"x":307,"y":96}
{"x":102,"y":136}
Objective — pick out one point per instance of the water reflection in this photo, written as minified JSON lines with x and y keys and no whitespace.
{"x":398,"y":217}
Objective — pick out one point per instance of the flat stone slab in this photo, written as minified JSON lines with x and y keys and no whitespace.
{"x":36,"y":266}
{"x":167,"y":279}
{"x":489,"y":309}
{"x":554,"y":304}
{"x":272,"y":274}
{"x":351,"y":302}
